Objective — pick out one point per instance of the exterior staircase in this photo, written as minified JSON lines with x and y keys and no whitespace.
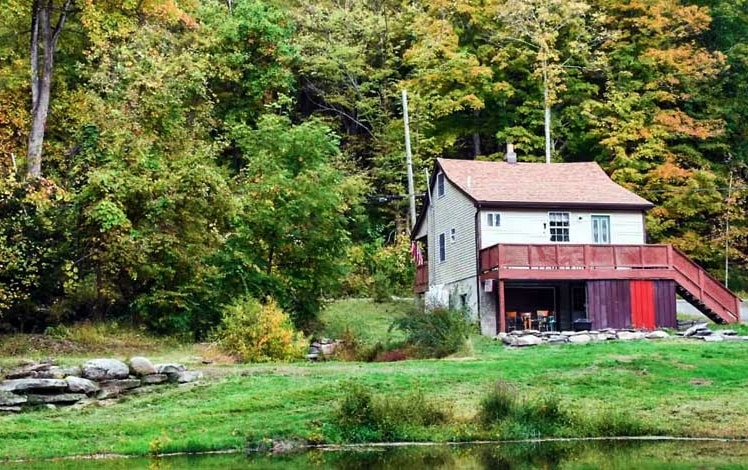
{"x":704,"y":292}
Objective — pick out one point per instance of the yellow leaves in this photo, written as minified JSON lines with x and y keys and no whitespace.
{"x":687,"y":59}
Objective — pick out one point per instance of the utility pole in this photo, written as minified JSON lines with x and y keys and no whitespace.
{"x":409,"y":162}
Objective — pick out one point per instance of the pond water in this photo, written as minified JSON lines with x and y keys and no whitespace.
{"x":546,"y":455}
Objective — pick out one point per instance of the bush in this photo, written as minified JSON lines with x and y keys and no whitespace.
{"x":256,"y":332}
{"x":363,"y":417}
{"x":436,"y":333}
{"x":499,"y":404}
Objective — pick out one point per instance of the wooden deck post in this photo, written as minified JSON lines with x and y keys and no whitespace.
{"x":502,"y":308}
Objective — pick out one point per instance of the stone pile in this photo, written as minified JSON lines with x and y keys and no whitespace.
{"x":521,"y":338}
{"x":44,"y":383}
{"x":322,"y":348}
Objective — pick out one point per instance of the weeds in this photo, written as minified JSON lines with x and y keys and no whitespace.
{"x":363,"y":417}
{"x":437,"y":333}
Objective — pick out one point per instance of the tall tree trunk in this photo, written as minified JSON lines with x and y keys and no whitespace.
{"x":547,"y":113}
{"x":476,"y":136}
{"x":41,"y":79}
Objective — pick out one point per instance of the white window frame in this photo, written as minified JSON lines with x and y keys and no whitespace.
{"x":440,"y":185}
{"x":595,"y":239}
{"x":493,"y":219}
{"x":442,"y":247}
{"x":559,"y":226}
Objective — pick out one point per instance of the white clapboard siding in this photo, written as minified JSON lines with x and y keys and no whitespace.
{"x":532,"y":226}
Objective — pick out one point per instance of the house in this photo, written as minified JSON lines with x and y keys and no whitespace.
{"x":556,"y":246}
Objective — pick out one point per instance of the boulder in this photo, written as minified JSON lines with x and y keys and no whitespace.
{"x":189,"y":376}
{"x":22,"y":385}
{"x":580,"y":339}
{"x":28,"y":371}
{"x":152,"y":379}
{"x":124,"y":384}
{"x":105,"y":369}
{"x":692,"y":330}
{"x":11,"y":399}
{"x":81,"y":385}
{"x":630,"y":335}
{"x":10,"y":409}
{"x":56,"y":398}
{"x":558,"y":339}
{"x":509,"y":340}
{"x":528,"y":340}
{"x":712,"y":338}
{"x":169,"y":368}
{"x":727,"y":332}
{"x":657,"y":334}
{"x":141,"y":366}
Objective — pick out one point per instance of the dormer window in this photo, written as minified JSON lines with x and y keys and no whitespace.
{"x":440,"y":185}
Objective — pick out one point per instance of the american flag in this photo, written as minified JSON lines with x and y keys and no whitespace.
{"x":415,"y":252}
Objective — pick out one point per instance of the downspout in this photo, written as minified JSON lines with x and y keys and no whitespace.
{"x":477,"y":257}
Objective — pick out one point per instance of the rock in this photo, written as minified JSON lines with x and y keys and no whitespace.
{"x":81,"y":385}
{"x":105,"y":369}
{"x":500,"y":336}
{"x":141,"y":366}
{"x":732,"y":338}
{"x":189,"y":376}
{"x":57,"y":372}
{"x":152,"y":379}
{"x":11,"y":399}
{"x":630,"y":335}
{"x":580,"y":339}
{"x":58,"y":398}
{"x":28,"y":371}
{"x":124,"y":384}
{"x":657,"y":334}
{"x":169,"y":368}
{"x":510,"y":340}
{"x":312,"y":356}
{"x":690,"y":331}
{"x":10,"y":409}
{"x":21,"y":385}
{"x":528,"y":340}
{"x":702,"y":333}
{"x":727,"y":332}
{"x":712,"y":338}
{"x":558,"y":339}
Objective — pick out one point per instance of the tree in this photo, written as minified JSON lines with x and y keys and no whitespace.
{"x":541,"y":25}
{"x":289,"y":237}
{"x":48,"y":19}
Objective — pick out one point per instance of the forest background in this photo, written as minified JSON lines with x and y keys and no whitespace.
{"x":159,"y":159}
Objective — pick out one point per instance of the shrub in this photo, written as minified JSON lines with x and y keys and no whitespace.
{"x":499,"y":404}
{"x":438,"y":332}
{"x":363,"y":417}
{"x":256,"y":332}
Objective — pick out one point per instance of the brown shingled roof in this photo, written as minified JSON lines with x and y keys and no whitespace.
{"x":539,"y":184}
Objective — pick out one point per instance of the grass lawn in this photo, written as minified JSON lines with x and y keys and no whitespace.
{"x":678,"y":387}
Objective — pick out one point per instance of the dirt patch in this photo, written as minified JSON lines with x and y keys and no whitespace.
{"x":700,"y":382}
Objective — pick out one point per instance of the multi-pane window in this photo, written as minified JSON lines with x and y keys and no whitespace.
{"x":442,"y":248}
{"x":493,"y":219}
{"x":440,"y":185}
{"x":601,"y":229}
{"x":559,"y":226}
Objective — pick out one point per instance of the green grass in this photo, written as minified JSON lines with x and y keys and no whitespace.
{"x":369,"y":321}
{"x":677,"y":387}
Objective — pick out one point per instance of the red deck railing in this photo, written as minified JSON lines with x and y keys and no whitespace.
{"x":558,"y":262}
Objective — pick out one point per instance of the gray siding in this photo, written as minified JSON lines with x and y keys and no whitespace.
{"x":452,"y":211}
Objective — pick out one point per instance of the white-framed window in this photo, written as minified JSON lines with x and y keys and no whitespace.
{"x":440,"y":185}
{"x":493,"y":219}
{"x":442,"y":247}
{"x":558,"y":222}
{"x":453,"y":235}
{"x":600,"y":229}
